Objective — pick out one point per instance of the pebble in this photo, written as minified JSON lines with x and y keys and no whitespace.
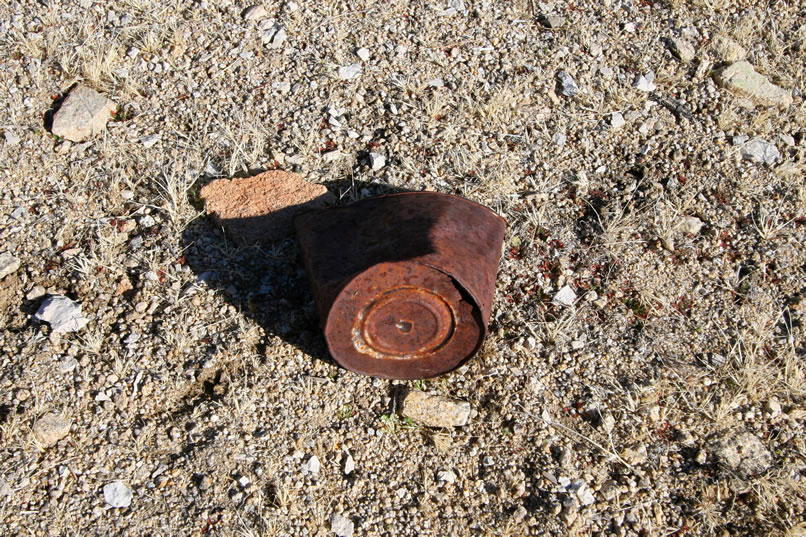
{"x":37,"y":291}
{"x":446,"y":476}
{"x":312,"y":465}
{"x":566,"y":84}
{"x":341,"y":525}
{"x":51,"y":428}
{"x":559,"y":139}
{"x":691,"y":225}
{"x":149,"y":140}
{"x":761,"y":151}
{"x":67,"y":364}
{"x":118,"y":494}
{"x":12,"y":138}
{"x":5,"y":488}
{"x":350,"y":72}
{"x":349,"y":464}
{"x":635,"y":454}
{"x":254,"y":13}
{"x":83,"y":113}
{"x":9,"y":264}
{"x":565,"y":296}
{"x":682,"y":49}
{"x":363,"y":54}
{"x":645,"y":82}
{"x":552,"y":21}
{"x":617,"y":120}
{"x":435,"y":410}
{"x":741,"y":452}
{"x":742,"y":79}
{"x":377,"y":161}
{"x":62,"y":314}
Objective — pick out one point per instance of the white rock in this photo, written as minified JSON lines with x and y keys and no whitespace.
{"x":566,"y":84}
{"x":312,"y":465}
{"x":279,"y":38}
{"x":8,"y":264}
{"x":83,"y":113}
{"x":691,"y":225}
{"x":761,"y":151}
{"x":11,"y":137}
{"x":118,"y":494}
{"x":363,"y":54}
{"x":584,"y":494}
{"x":435,"y":410}
{"x":51,"y":428}
{"x":149,"y":140}
{"x":341,"y":525}
{"x":742,"y":79}
{"x":377,"y":161}
{"x":350,"y":72}
{"x":565,"y":296}
{"x":62,"y":314}
{"x":741,"y":452}
{"x":559,"y":139}
{"x":682,"y":49}
{"x":5,"y":488}
{"x":645,"y":82}
{"x":446,"y":476}
{"x":617,"y":120}
{"x":255,"y":13}
{"x":349,"y":464}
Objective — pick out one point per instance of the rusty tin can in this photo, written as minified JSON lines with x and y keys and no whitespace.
{"x":404,"y":283}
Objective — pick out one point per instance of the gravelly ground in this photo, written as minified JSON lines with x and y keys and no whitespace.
{"x":667,"y":400}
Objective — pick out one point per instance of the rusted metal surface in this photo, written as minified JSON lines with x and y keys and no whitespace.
{"x":404,"y":283}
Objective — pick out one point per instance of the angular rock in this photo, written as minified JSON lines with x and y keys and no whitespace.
{"x":118,"y":494}
{"x":51,"y":428}
{"x":761,"y":151}
{"x":350,"y":72}
{"x":565,"y":296}
{"x":682,"y":49}
{"x":349,"y":464}
{"x":742,"y":79}
{"x":312,"y":465}
{"x":566,"y":85}
{"x":551,"y":21}
{"x":691,"y":225}
{"x":362,"y":53}
{"x":341,"y":525}
{"x":617,"y":120}
{"x":261,"y":209}
{"x":435,"y":410}
{"x":62,"y":314}
{"x":5,"y":488}
{"x":741,"y":452}
{"x":8,"y":264}
{"x":645,"y":82}
{"x":83,"y":113}
{"x":255,"y":13}
{"x":376,"y":161}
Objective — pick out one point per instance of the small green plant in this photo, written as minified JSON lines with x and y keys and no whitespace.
{"x":391,"y":423}
{"x":123,"y":114}
{"x":345,"y":412}
{"x":420,"y":384}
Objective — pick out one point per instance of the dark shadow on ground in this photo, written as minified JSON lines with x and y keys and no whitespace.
{"x":267,"y":283}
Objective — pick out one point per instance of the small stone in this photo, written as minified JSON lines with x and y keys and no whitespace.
{"x":67,"y":364}
{"x":36,"y":292}
{"x":584,"y":493}
{"x":773,"y":407}
{"x":118,"y":494}
{"x":363,"y":54}
{"x":682,"y":49}
{"x":565,"y":296}
{"x":761,"y":151}
{"x":260,"y":209}
{"x":728,"y":50}
{"x":691,"y":225}
{"x":566,"y":85}
{"x":8,"y":264}
{"x":608,"y":422}
{"x":149,"y":140}
{"x":436,"y":83}
{"x":12,"y":138}
{"x":617,"y":120}
{"x":435,"y":410}
{"x":341,"y":525}
{"x":742,"y":79}
{"x":552,"y":21}
{"x":739,"y":139}
{"x":377,"y":161}
{"x":645,"y":82}
{"x":559,"y":139}
{"x":350,"y":72}
{"x":83,"y":113}
{"x":255,"y":13}
{"x":635,"y":454}
{"x":312,"y":465}
{"x":279,"y":38}
{"x":349,"y":464}
{"x":741,"y":452}
{"x":51,"y":428}
{"x":62,"y":314}
{"x":446,"y":476}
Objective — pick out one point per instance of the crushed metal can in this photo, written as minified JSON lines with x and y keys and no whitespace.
{"x":403,"y":283}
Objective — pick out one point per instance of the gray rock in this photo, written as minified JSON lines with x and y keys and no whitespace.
{"x":559,"y":139}
{"x":149,"y":140}
{"x":118,"y":494}
{"x":617,"y":120}
{"x":12,"y":138}
{"x":62,"y":314}
{"x":552,"y":21}
{"x":682,"y":49}
{"x":312,"y":465}
{"x":740,"y":452}
{"x":742,"y":79}
{"x":8,"y":264}
{"x":83,"y":114}
{"x":435,"y":410}
{"x":350,"y":72}
{"x":377,"y":161}
{"x":255,"y":13}
{"x":51,"y":428}
{"x":341,"y":525}
{"x":566,"y":84}
{"x":761,"y":151}
{"x":363,"y":54}
{"x":645,"y":82}
{"x":565,"y":296}
{"x":5,"y":488}
{"x":279,"y":38}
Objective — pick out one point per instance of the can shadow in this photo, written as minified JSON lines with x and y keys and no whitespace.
{"x":265,"y":282}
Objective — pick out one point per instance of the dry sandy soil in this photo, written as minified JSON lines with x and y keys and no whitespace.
{"x":666,"y":400}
